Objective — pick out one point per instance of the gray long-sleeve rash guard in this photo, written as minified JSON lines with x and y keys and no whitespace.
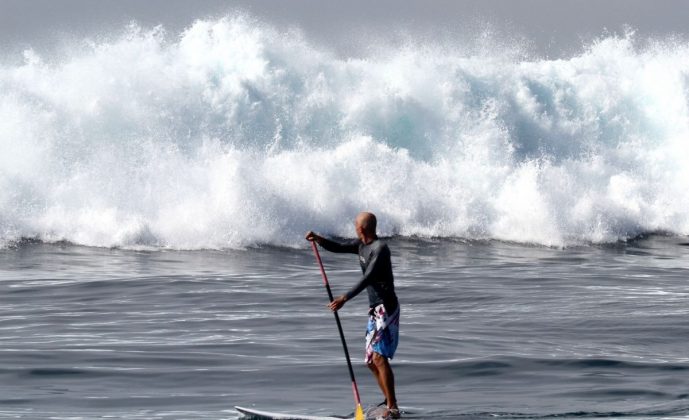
{"x":374,"y":259}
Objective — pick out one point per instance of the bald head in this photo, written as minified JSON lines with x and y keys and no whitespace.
{"x":366,"y":224}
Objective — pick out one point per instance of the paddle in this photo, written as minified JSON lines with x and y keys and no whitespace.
{"x":359,"y":412}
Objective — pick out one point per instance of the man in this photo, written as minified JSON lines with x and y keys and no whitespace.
{"x":382,"y":332}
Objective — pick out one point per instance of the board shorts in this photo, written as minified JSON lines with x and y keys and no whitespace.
{"x":382,"y":333}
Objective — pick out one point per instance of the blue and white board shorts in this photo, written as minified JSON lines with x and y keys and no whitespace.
{"x":382,"y":333}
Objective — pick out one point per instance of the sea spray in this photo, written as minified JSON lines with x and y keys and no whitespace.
{"x":234,"y":135}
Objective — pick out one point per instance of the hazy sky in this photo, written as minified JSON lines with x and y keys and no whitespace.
{"x":554,"y":27}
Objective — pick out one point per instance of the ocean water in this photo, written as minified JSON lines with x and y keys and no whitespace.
{"x":489,"y":329}
{"x":155,"y":189}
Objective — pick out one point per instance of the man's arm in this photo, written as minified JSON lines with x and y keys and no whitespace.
{"x":349,"y":247}
{"x":366,"y":279}
{"x":371,"y":269}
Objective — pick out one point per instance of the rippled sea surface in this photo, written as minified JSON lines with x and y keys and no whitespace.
{"x":488,"y":330}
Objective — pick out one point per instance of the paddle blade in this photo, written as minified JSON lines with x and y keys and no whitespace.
{"x":359,"y":413}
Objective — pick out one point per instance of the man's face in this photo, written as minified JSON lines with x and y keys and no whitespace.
{"x":359,"y":230}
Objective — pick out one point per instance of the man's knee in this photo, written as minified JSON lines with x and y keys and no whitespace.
{"x":378,"y":360}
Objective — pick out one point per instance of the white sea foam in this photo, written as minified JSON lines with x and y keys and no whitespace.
{"x":234,"y":135}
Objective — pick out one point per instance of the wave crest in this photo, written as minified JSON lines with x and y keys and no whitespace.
{"x":235,"y":135}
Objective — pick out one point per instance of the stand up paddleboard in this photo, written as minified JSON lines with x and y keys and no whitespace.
{"x":250,"y":414}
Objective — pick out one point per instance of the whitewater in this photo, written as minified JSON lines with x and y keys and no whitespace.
{"x":235,"y":134}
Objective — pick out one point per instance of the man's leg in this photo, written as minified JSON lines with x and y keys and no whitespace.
{"x":386,"y":380}
{"x":376,"y":373}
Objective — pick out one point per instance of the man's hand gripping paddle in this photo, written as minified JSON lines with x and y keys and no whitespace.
{"x":359,"y":412}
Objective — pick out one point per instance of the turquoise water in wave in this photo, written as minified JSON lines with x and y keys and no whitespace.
{"x":233,"y":134}
{"x":489,"y":329}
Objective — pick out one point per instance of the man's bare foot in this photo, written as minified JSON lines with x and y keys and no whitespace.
{"x":392,"y":413}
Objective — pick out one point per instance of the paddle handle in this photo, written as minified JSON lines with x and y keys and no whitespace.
{"x":355,"y":389}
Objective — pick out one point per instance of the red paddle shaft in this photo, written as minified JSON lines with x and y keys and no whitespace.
{"x":339,"y":325}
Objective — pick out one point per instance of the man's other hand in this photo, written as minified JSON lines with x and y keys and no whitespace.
{"x":310,"y":236}
{"x":337,"y":303}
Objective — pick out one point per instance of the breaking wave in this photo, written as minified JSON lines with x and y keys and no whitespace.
{"x":234,"y":134}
